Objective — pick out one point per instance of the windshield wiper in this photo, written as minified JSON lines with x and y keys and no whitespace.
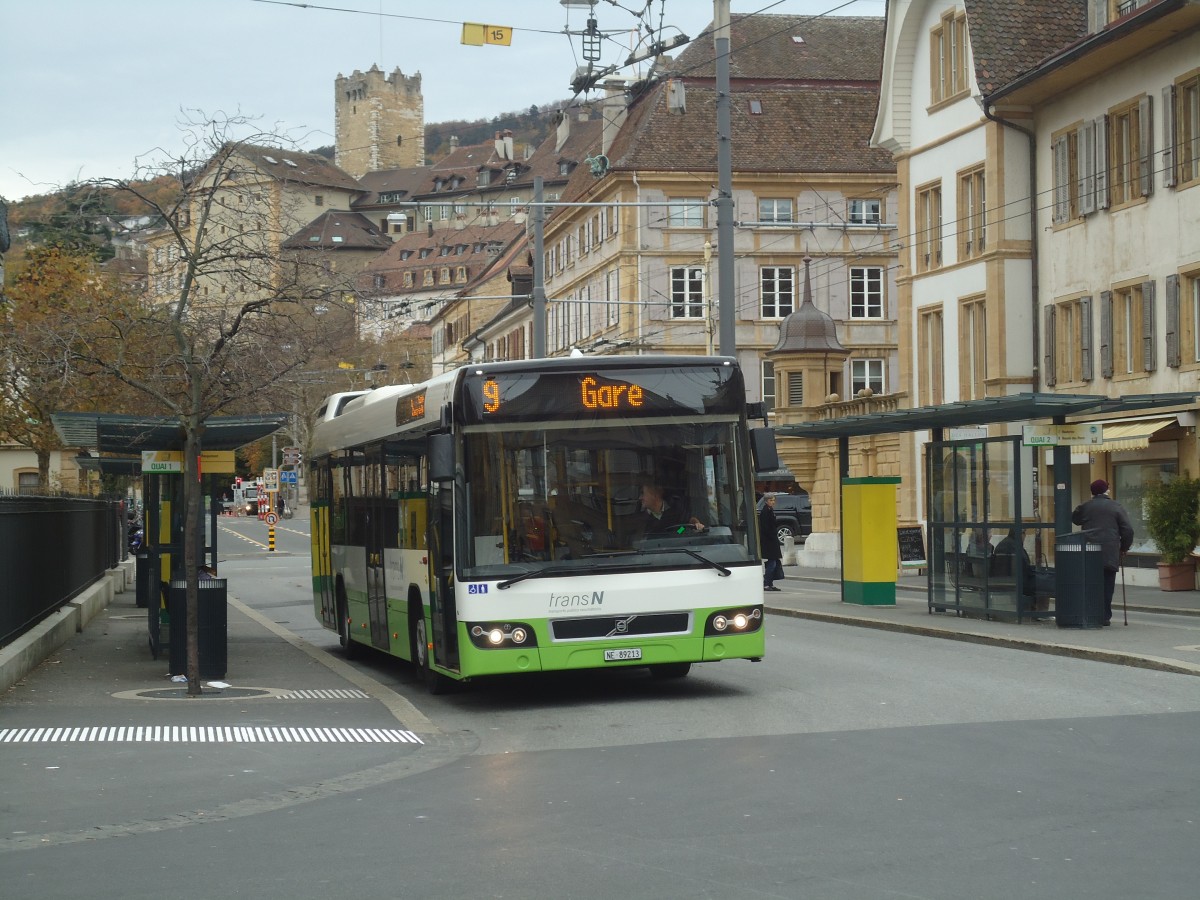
{"x":536,"y":573}
{"x":692,"y":553}
{"x":559,"y":570}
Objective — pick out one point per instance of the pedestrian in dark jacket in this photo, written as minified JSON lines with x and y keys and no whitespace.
{"x":1108,"y":523}
{"x":768,"y":533}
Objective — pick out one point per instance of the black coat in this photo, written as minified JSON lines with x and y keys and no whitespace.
{"x":1109,"y":524}
{"x":768,"y":533}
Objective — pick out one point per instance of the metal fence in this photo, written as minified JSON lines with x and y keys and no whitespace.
{"x":51,"y":549}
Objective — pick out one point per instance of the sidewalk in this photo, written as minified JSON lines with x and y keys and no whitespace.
{"x":1163,"y":631}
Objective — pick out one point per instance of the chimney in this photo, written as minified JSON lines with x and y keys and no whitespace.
{"x":430,"y":228}
{"x":508,"y":145}
{"x":453,"y":142}
{"x":613,"y":111}
{"x":493,"y":216}
{"x":498,"y":143}
{"x":563,"y":131}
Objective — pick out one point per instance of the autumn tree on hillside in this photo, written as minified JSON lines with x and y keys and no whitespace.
{"x":57,"y":302}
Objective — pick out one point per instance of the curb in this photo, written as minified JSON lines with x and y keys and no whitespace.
{"x":974,"y":637}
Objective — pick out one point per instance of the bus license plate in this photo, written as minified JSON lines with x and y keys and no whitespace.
{"x":622,"y":655}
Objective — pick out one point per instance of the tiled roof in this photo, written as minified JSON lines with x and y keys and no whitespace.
{"x":1010,"y":37}
{"x":290,"y":165}
{"x":338,"y":230}
{"x":830,"y":48}
{"x":406,"y":182}
{"x":799,"y":129}
{"x":464,"y":163}
{"x":391,"y":264}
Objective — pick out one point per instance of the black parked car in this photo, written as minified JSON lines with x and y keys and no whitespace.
{"x":793,"y":514}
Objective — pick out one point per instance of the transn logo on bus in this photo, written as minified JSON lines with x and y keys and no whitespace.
{"x":477,"y":588}
{"x":571,"y":601}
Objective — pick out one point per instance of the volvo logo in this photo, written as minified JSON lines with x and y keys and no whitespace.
{"x":621,"y":626}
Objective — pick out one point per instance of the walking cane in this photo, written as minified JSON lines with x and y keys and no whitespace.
{"x":1124,"y":599}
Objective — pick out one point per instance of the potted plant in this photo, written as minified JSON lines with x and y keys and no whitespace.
{"x":1172,"y":512}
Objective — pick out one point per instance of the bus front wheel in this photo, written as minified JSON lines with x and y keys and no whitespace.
{"x":435,"y":682}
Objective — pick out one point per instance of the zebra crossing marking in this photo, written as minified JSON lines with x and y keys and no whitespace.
{"x":324,"y":694}
{"x":206,"y":734}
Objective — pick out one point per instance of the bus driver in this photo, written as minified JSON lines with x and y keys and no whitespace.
{"x":660,"y":517}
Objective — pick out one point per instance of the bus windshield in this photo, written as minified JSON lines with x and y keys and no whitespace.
{"x":619,"y":495}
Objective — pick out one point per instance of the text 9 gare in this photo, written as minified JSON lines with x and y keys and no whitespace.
{"x":542,"y":515}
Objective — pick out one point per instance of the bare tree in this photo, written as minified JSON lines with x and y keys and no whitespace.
{"x":222,"y":304}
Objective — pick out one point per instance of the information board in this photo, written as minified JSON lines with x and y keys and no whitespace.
{"x":912,"y":546}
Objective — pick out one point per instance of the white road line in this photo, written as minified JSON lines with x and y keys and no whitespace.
{"x":236,"y":734}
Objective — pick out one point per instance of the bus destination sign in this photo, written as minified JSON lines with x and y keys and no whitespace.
{"x":410,"y":408}
{"x":523,"y":396}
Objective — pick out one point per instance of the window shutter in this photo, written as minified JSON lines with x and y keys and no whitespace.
{"x":1168,"y":132}
{"x":795,"y":388}
{"x":1085,"y":153}
{"x":658,"y":216}
{"x":1106,"y":334}
{"x":1062,"y":189}
{"x":1146,"y":145}
{"x":1173,"y":321}
{"x":1085,"y":338}
{"x":1101,"y":131}
{"x":1049,"y":373}
{"x":1149,"y":342}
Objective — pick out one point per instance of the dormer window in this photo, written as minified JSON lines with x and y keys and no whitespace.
{"x":510,"y":176}
{"x":564,"y":167}
{"x":425,"y":251}
{"x":405,"y":254}
{"x":483,"y":178}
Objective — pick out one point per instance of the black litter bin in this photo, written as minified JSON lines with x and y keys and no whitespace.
{"x":213,"y":626}
{"x":141,"y":580}
{"x":1079,"y":581}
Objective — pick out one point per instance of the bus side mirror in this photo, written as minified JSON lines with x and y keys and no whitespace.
{"x":763,"y":449}
{"x":441,"y":457}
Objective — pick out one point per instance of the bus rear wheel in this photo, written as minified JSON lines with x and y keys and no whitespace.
{"x":349,"y":646}
{"x":671,"y":670}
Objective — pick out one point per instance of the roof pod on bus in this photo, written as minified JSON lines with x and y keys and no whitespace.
{"x":335,"y":404}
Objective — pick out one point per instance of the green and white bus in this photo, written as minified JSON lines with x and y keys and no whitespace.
{"x":490,"y":520}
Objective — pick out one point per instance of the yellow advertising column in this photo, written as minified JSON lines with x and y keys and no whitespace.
{"x":869,"y":554}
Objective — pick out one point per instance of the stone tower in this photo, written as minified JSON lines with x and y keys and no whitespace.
{"x":379,"y":121}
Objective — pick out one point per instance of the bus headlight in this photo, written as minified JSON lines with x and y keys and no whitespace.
{"x":501,"y":635}
{"x":734,"y":621}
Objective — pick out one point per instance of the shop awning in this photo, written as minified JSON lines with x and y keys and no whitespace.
{"x":1131,"y":435}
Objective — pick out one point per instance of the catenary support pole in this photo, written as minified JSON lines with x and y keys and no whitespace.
{"x":726,"y":301}
{"x":539,"y":272}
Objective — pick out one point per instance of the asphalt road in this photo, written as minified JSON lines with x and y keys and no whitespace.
{"x":850,"y":763}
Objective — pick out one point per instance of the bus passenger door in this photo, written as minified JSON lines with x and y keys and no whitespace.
{"x":374,"y":540}
{"x":441,"y":560}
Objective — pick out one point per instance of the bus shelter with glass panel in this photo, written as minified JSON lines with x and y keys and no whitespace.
{"x":990,"y":531}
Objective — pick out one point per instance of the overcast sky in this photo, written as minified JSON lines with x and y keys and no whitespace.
{"x":91,"y":85}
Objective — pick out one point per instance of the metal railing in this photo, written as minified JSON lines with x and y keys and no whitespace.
{"x":51,"y":549}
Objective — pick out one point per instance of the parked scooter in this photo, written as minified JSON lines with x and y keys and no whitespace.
{"x":136,"y":537}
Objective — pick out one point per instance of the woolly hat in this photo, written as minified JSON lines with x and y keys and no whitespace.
{"x":1099,"y":486}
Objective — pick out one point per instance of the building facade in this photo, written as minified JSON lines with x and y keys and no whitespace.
{"x":1046,"y":157}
